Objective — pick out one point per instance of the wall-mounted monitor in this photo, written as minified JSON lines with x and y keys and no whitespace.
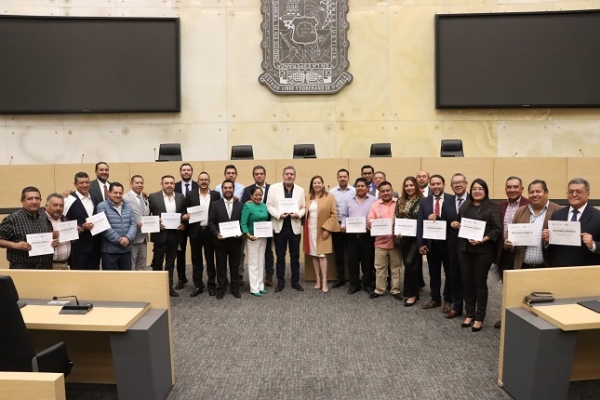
{"x":527,"y":59}
{"x":89,"y":65}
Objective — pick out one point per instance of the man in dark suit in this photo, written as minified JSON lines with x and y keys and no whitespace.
{"x":99,"y":186}
{"x":432,"y":208}
{"x":579,"y":210}
{"x":184,"y":186}
{"x":81,"y":204}
{"x":227,"y":249}
{"x":259,"y":173}
{"x":459,"y":187}
{"x":167,"y":240}
{"x":201,"y":236}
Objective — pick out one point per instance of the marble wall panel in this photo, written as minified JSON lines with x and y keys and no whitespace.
{"x":354,"y":138}
{"x":68,"y":11}
{"x":367,"y":97}
{"x":140,"y":143}
{"x":91,"y":144}
{"x":525,"y":138}
{"x":202,"y":141}
{"x":144,"y":3}
{"x":87,"y":3}
{"x":321,"y":134}
{"x":576,"y":139}
{"x":416,"y":138}
{"x":186,"y":4}
{"x":24,"y":120}
{"x":35,"y":144}
{"x":479,"y":137}
{"x":18,"y":8}
{"x":265,"y":138}
{"x":308,"y":108}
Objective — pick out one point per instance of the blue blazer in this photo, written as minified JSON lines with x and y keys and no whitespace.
{"x":425,"y":209}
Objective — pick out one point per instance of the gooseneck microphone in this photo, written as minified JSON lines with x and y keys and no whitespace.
{"x":66,"y":297}
{"x":74,"y":309}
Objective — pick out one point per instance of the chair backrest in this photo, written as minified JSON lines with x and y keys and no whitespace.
{"x":305,"y":151}
{"x":451,"y":148}
{"x":242,"y":152}
{"x":381,"y":150}
{"x":169,"y":152}
{"x":16,"y":350}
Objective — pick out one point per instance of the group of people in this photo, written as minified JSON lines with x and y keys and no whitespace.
{"x":337,"y":221}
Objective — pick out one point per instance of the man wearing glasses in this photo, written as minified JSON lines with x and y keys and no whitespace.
{"x":579,"y":210}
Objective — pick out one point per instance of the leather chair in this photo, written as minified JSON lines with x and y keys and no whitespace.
{"x":451,"y":148}
{"x":169,"y":152}
{"x":381,"y":150}
{"x":242,"y":152}
{"x":304,"y":151}
{"x":16,"y":349}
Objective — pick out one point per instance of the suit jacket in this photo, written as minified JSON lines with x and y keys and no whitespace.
{"x":503,"y":205}
{"x":493,"y":229}
{"x":218,"y":213}
{"x":157,"y":206}
{"x":248,"y":193}
{"x":179,"y":187}
{"x":567,"y":256}
{"x":523,"y":216}
{"x":86,"y":241}
{"x":425,"y":209}
{"x":193,"y":200}
{"x":138,"y":213}
{"x":96,"y":192}
{"x":276,"y":192}
{"x":449,"y":210}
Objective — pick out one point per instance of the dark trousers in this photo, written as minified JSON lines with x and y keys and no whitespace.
{"x":269,"y":270}
{"x":340,"y":243}
{"x":116,"y":261}
{"x":436,"y":258}
{"x":457,"y":285}
{"x":409,"y":252}
{"x":420,"y":278}
{"x":361,"y":255}
{"x":205,"y":240}
{"x":287,"y":239}
{"x":506,"y":262}
{"x":88,"y":260}
{"x":181,"y":257}
{"x":228,"y":250}
{"x":168,"y":251}
{"x":474,"y":268}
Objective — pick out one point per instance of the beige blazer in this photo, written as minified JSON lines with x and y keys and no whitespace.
{"x":327,"y":220}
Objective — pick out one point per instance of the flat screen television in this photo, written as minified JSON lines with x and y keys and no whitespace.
{"x":526,"y":59}
{"x":89,"y":65}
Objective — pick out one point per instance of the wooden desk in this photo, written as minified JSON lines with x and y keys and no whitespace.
{"x":569,"y":317}
{"x":32,"y":386}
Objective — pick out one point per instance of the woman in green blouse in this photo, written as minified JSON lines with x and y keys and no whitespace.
{"x":255,"y":211}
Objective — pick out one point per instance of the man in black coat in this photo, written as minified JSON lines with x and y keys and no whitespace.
{"x":184,"y":186}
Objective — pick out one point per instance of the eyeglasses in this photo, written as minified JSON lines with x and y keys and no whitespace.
{"x":577,"y":192}
{"x":456,"y":183}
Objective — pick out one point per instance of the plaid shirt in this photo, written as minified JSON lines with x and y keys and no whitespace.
{"x":16,"y":227}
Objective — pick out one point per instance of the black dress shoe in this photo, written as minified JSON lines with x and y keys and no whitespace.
{"x":297,"y":287}
{"x":241,"y":280}
{"x":374,"y":295}
{"x":211,"y":292}
{"x":398,"y":296}
{"x":407,"y":304}
{"x":180,"y":285}
{"x":369,"y":290}
{"x":498,"y":324}
{"x":237,"y":295}
{"x":173,"y":293}
{"x":354,"y":289}
{"x":279,"y":288}
{"x":196,"y":292}
{"x":467,"y":324}
{"x":338,"y":283}
{"x":220,"y":295}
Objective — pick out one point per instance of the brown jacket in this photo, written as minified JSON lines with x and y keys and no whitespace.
{"x":327,"y":219}
{"x":522,"y":216}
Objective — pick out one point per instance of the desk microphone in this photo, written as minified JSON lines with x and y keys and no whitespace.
{"x":82,"y":158}
{"x":11,"y":158}
{"x":155,"y":154}
{"x":66,"y":297}
{"x":74,"y":309}
{"x":516,"y":152}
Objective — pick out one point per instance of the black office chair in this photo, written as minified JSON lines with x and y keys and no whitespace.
{"x":242,"y":152}
{"x":381,"y":150}
{"x":304,"y":151}
{"x":169,"y":152}
{"x":451,"y":148}
{"x":16,"y":349}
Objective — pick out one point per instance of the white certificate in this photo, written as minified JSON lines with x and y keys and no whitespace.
{"x":356,"y":225}
{"x":381,"y":227}
{"x":565,"y":233}
{"x":263,"y":229}
{"x":288,"y":206}
{"x":471,"y":229}
{"x":68,"y":231}
{"x":198,"y":213}
{"x":150,"y":224}
{"x":523,"y":235}
{"x":405,"y":227}
{"x":230,"y":229}
{"x":100,"y":223}
{"x":171,"y":220}
{"x":41,"y":244}
{"x":435,"y":230}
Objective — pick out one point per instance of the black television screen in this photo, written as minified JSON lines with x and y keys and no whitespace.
{"x":89,"y":65}
{"x":534,"y":59}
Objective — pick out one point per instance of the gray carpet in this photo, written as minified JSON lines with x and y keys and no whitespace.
{"x":312,"y":345}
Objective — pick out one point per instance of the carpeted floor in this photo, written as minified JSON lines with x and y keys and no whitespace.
{"x":314,"y":345}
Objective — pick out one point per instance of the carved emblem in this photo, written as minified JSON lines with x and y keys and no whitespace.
{"x":305,"y":47}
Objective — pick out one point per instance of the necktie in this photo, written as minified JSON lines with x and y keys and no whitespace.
{"x":459,"y":203}
{"x":187,"y":189}
{"x":105,"y":191}
{"x":228,"y":204}
{"x":437,"y":206}
{"x":574,"y":217}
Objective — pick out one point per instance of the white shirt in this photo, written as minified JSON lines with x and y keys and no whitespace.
{"x":102,"y":186}
{"x":425,"y":191}
{"x":441,"y":202}
{"x":170,"y":205}
{"x":580,"y":211}
{"x":88,"y":204}
{"x":183,"y":188}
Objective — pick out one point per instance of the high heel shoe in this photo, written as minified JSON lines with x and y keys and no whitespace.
{"x":407,"y":304}
{"x":325,"y":289}
{"x":477,"y":329}
{"x":467,"y":324}
{"x":318,"y":285}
